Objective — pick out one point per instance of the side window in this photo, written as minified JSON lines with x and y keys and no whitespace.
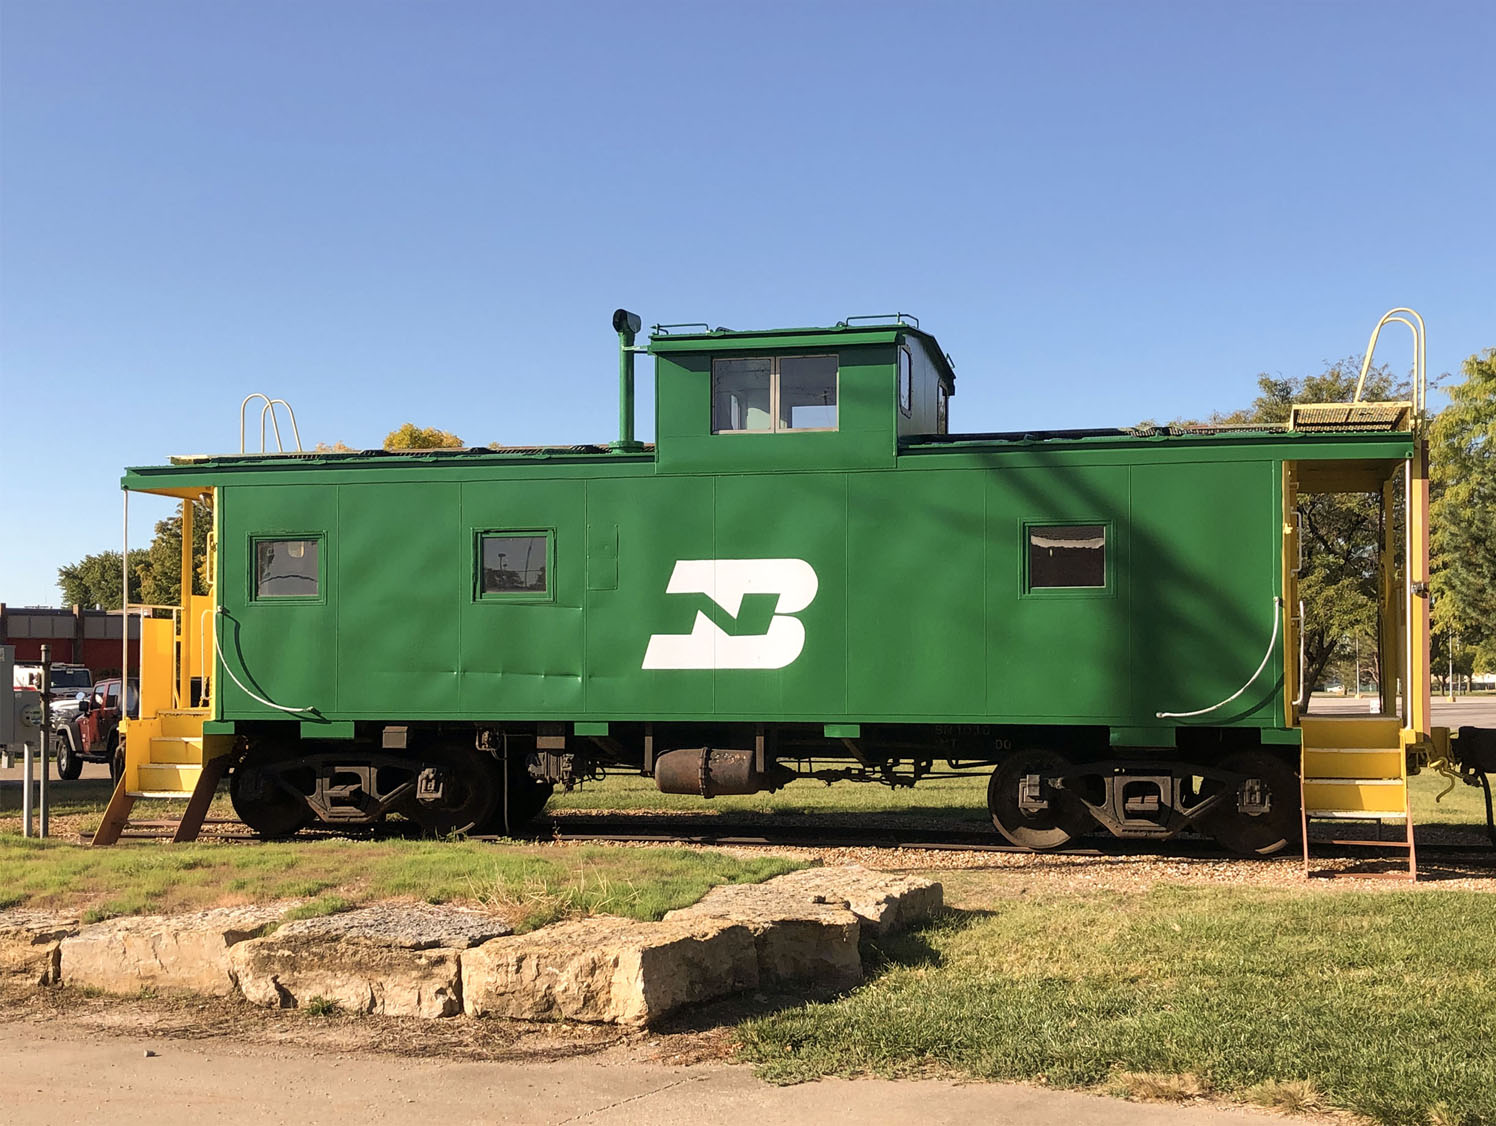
{"x":287,"y":568}
{"x":807,"y":393}
{"x":742,"y":394}
{"x":514,"y":563}
{"x":942,"y":410}
{"x":906,"y":381}
{"x":1066,"y":557}
{"x":111,"y":695}
{"x":774,"y":394}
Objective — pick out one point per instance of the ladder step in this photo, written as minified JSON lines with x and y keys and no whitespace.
{"x":1354,"y":762}
{"x":183,"y":721}
{"x":1351,"y":731}
{"x":179,"y":749}
{"x":1386,"y":797}
{"x":162,"y":779}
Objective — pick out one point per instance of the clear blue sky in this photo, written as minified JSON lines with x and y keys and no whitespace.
{"x":427,"y":211}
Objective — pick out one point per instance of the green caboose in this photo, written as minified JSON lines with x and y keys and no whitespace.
{"x":805,"y":570}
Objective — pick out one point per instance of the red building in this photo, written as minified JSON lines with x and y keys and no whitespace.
{"x":76,"y":635}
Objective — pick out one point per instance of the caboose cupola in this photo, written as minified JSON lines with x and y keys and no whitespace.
{"x":800,"y":398}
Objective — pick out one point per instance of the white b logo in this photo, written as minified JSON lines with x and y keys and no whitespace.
{"x":725,"y":582}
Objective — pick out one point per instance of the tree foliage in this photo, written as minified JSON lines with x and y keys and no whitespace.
{"x":95,"y":579}
{"x":161,"y":585}
{"x":155,"y":571}
{"x":1462,"y":447}
{"x":1341,"y":531}
{"x":413,"y":437}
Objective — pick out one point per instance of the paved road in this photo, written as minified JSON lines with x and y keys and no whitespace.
{"x":1466,"y":711}
{"x":53,"y":1077}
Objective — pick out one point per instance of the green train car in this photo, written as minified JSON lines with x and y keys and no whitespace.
{"x":806,"y":572}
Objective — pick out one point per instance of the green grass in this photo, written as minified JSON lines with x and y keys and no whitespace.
{"x":1463,"y":806}
{"x":529,"y":884}
{"x":80,"y":805}
{"x":1380,"y":1003}
{"x":317,"y":908}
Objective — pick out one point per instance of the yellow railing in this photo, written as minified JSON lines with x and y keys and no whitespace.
{"x":1420,"y":358}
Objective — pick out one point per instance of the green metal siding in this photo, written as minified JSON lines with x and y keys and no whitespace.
{"x":920,"y":613}
{"x":864,"y":437}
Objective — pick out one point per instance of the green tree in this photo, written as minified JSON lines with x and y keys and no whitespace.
{"x":1462,"y":449}
{"x":95,"y":579}
{"x":413,"y":437}
{"x":155,"y":571}
{"x":161,"y":583}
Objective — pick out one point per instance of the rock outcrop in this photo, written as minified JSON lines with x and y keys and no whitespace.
{"x":31,"y":944}
{"x":883,"y":902}
{"x":799,"y":938}
{"x":391,"y":960}
{"x":188,"y":952}
{"x":795,"y":932}
{"x":608,"y":969}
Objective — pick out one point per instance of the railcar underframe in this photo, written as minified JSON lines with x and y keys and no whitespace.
{"x":1048,"y":784}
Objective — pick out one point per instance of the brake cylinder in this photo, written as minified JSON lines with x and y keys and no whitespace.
{"x":709,"y":771}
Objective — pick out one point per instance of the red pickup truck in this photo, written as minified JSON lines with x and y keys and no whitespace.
{"x":91,"y":734}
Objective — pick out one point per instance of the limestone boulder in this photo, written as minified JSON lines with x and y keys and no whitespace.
{"x":392,"y":960}
{"x":608,"y":969}
{"x":800,"y":937}
{"x":188,"y":952}
{"x":884,"y":902}
{"x":31,"y":944}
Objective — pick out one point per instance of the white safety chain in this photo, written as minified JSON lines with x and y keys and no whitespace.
{"x":1277,"y":616}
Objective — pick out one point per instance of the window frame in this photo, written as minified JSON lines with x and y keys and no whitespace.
{"x":906,"y":381}
{"x":942,"y":408}
{"x":1108,"y":589}
{"x":774,"y":397}
{"x":257,"y":538}
{"x":510,"y":597}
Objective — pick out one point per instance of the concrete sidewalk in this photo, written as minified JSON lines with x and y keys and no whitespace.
{"x":49,"y":1078}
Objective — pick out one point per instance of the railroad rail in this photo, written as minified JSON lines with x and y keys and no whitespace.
{"x":805,"y":833}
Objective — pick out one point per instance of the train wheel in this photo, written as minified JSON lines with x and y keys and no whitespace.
{"x":264,"y":800}
{"x":525,"y":797}
{"x":1018,"y":785}
{"x":1271,"y":786}
{"x":469,"y":793}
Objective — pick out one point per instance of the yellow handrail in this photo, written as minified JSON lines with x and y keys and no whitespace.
{"x":1420,"y":357}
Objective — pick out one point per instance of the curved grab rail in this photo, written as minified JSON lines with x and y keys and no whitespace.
{"x":269,"y":408}
{"x":1420,"y":356}
{"x":242,"y":406}
{"x":1277,"y":618}
{"x":295,"y":433}
{"x":221,"y":611}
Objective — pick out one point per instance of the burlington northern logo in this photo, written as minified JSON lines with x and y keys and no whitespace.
{"x":725,"y":582}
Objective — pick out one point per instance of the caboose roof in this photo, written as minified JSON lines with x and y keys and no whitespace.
{"x":667,"y":339}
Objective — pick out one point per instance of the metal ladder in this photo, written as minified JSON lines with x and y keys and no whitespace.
{"x":1355,"y":768}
